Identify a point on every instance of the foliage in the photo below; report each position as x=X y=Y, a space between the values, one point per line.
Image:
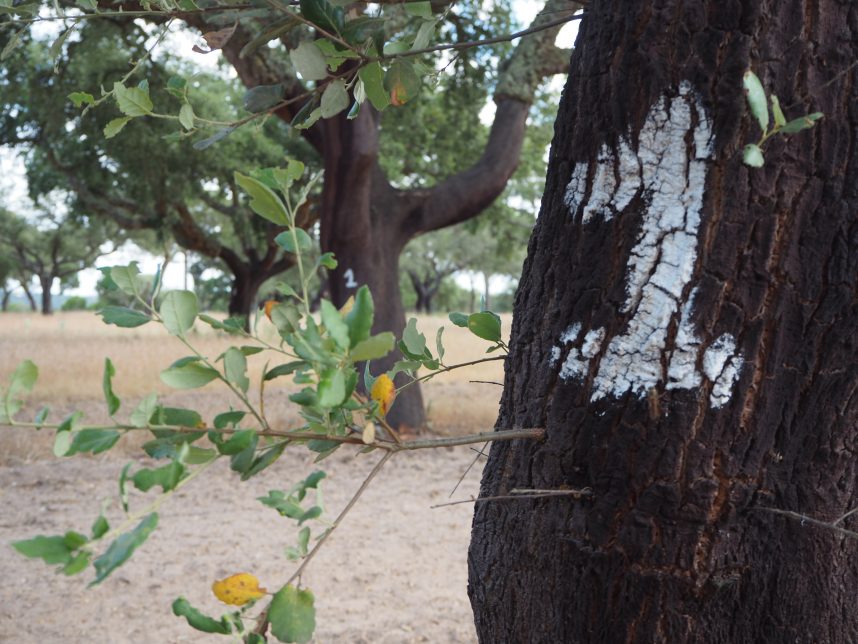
x=75 y=303
x=320 y=354
x=758 y=104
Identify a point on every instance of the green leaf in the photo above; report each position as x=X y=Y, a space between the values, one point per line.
x=81 y=98
x=220 y=135
x=127 y=278
x=332 y=388
x=100 y=527
x=335 y=98
x=286 y=241
x=199 y=621
x=199 y=455
x=21 y=382
x=263 y=201
x=261 y=462
x=66 y=433
x=41 y=417
x=284 y=369
x=780 y=119
x=401 y=82
x=414 y=341
x=233 y=326
x=263 y=97
x=111 y=398
x=439 y=345
x=328 y=261
x=78 y=564
x=189 y=376
x=801 y=123
x=123 y=490
x=756 y=96
x=422 y=9
x=53 y=550
x=373 y=347
x=333 y=321
x=323 y=14
x=358 y=30
x=273 y=31
x=178 y=311
x=132 y=101
x=56 y=48
x=177 y=417
x=236 y=444
x=292 y=615
x=424 y=35
x=752 y=155
x=485 y=325
x=372 y=76
x=359 y=319
x=235 y=368
x=309 y=61
x=459 y=319
x=93 y=441
x=144 y=410
x=242 y=461
x=123 y=317
x=123 y=547
x=167 y=477
x=229 y=418
x=13 y=42
x=186 y=116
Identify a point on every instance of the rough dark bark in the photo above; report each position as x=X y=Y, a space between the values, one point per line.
x=733 y=268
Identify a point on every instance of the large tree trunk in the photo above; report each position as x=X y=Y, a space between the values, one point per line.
x=358 y=216
x=46 y=282
x=686 y=331
x=242 y=297
x=32 y=300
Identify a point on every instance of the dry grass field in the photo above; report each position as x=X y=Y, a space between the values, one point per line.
x=70 y=348
x=395 y=571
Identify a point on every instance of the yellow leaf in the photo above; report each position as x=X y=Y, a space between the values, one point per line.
x=269 y=304
x=383 y=392
x=346 y=308
x=238 y=589
x=398 y=95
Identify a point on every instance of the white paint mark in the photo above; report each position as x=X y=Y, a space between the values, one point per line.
x=722 y=390
x=349 y=275
x=661 y=264
x=555 y=356
x=576 y=190
x=571 y=334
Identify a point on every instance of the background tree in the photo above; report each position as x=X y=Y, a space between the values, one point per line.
x=149 y=178
x=53 y=248
x=685 y=331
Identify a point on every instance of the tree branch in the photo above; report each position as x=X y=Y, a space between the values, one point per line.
x=467 y=193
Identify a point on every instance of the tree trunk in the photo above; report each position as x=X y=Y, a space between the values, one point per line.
x=4 y=305
x=242 y=298
x=357 y=213
x=685 y=330
x=32 y=300
x=46 y=282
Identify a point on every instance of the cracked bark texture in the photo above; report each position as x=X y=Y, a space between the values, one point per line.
x=672 y=546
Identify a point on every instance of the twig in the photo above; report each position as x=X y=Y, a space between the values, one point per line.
x=522 y=494
x=262 y=624
x=487 y=382
x=504 y=435
x=806 y=519
x=468 y=469
x=478 y=43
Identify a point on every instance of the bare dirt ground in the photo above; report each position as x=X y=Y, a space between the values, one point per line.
x=395 y=571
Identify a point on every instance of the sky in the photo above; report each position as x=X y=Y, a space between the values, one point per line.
x=13 y=186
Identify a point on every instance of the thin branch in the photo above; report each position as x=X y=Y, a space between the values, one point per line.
x=806 y=519
x=262 y=624
x=478 y=43
x=468 y=469
x=522 y=494
x=486 y=382
x=504 y=435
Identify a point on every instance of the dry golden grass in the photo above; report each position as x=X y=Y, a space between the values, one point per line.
x=70 y=348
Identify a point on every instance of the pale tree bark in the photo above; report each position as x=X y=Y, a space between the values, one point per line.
x=364 y=220
x=686 y=331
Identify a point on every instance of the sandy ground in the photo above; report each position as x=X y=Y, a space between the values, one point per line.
x=394 y=572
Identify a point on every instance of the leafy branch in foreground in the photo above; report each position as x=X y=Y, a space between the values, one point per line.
x=324 y=356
